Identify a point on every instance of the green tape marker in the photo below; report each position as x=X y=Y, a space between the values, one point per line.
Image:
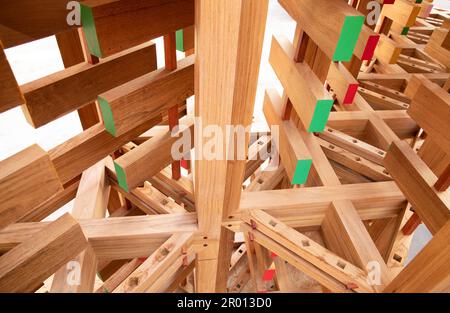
x=348 y=39
x=179 y=40
x=87 y=20
x=405 y=31
x=121 y=177
x=107 y=115
x=301 y=172
x=320 y=117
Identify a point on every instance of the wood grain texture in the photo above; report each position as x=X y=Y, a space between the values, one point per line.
x=10 y=95
x=26 y=179
x=33 y=261
x=55 y=95
x=112 y=26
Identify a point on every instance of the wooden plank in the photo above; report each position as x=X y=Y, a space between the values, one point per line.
x=147 y=273
x=152 y=156
x=147 y=96
x=322 y=277
x=84 y=150
x=112 y=26
x=33 y=261
x=47 y=19
x=90 y=202
x=314 y=201
x=432 y=118
x=346 y=235
x=232 y=32
x=113 y=238
x=435 y=49
x=333 y=25
x=310 y=99
x=342 y=83
x=416 y=181
x=10 y=95
x=293 y=151
x=27 y=179
x=429 y=270
x=402 y=12
x=57 y=94
x=309 y=250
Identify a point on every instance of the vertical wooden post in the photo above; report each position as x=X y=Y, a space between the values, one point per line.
x=170 y=56
x=228 y=49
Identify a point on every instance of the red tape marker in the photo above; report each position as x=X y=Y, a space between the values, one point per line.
x=371 y=44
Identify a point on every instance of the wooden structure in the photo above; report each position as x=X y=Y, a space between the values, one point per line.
x=363 y=135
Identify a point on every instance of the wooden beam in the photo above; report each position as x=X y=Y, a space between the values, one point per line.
x=429 y=270
x=112 y=26
x=309 y=98
x=33 y=261
x=57 y=94
x=294 y=153
x=113 y=238
x=37 y=22
x=10 y=95
x=232 y=32
x=147 y=273
x=90 y=203
x=416 y=181
x=146 y=97
x=333 y=25
x=342 y=83
x=27 y=179
x=432 y=118
x=152 y=156
x=308 y=250
x=84 y=150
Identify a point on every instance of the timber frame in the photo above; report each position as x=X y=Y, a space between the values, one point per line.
x=363 y=157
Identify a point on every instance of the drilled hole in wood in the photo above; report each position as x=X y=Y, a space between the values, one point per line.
x=238 y=286
x=358 y=159
x=331 y=147
x=381 y=152
x=386 y=172
x=383 y=97
x=397 y=258
x=330 y=130
x=205 y=245
x=260 y=181
x=240 y=251
x=229 y=225
x=164 y=202
x=341 y=264
x=405 y=105
x=305 y=243
x=231 y=216
x=273 y=223
x=205 y=237
x=260 y=143
x=397 y=93
x=355 y=141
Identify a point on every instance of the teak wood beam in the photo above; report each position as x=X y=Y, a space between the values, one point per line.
x=90 y=202
x=10 y=94
x=26 y=266
x=27 y=179
x=232 y=32
x=309 y=98
x=308 y=250
x=416 y=181
x=294 y=153
x=50 y=97
x=113 y=238
x=429 y=270
x=151 y=157
x=333 y=25
x=112 y=26
x=146 y=97
x=84 y=150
